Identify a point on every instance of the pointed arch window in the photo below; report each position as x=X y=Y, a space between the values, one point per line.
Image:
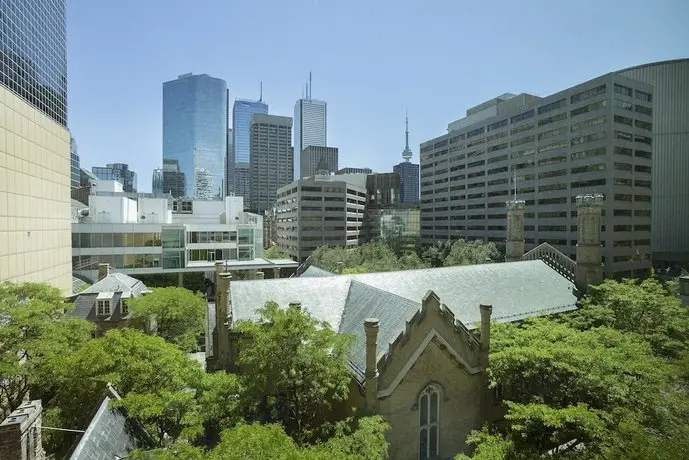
x=429 y=410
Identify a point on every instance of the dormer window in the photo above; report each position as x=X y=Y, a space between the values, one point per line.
x=103 y=307
x=125 y=307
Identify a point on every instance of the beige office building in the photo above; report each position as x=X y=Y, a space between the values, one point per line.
x=320 y=211
x=35 y=220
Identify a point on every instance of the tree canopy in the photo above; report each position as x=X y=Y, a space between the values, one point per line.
x=294 y=371
x=606 y=381
x=178 y=314
x=35 y=329
x=273 y=252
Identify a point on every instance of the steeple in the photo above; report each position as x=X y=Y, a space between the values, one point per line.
x=406 y=154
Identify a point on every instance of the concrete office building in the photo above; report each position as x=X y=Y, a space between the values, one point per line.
x=320 y=211
x=195 y=132
x=590 y=138
x=310 y=127
x=315 y=159
x=34 y=145
x=670 y=176
x=143 y=233
x=119 y=172
x=271 y=160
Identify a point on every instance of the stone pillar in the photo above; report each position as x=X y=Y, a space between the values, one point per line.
x=103 y=271
x=180 y=279
x=20 y=435
x=486 y=312
x=222 y=320
x=514 y=247
x=589 y=269
x=260 y=275
x=276 y=272
x=371 y=382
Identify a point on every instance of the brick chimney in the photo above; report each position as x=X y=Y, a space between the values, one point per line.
x=514 y=246
x=371 y=382
x=103 y=271
x=486 y=312
x=589 y=269
x=20 y=435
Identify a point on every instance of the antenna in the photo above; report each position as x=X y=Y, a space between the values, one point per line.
x=310 y=87
x=260 y=97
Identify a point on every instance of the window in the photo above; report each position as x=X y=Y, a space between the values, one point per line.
x=103 y=307
x=476 y=132
x=125 y=307
x=588 y=94
x=643 y=96
x=552 y=106
x=643 y=125
x=522 y=116
x=498 y=124
x=623 y=90
x=623 y=105
x=521 y=128
x=623 y=120
x=642 y=109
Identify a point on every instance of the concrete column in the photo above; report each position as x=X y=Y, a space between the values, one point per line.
x=514 y=247
x=276 y=272
x=180 y=279
x=371 y=382
x=589 y=269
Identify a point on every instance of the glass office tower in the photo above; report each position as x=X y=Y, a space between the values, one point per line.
x=75 y=175
x=195 y=132
x=33 y=60
x=310 y=128
x=119 y=172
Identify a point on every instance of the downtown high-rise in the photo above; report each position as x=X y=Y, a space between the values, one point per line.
x=310 y=127
x=409 y=173
x=242 y=111
x=195 y=132
x=35 y=214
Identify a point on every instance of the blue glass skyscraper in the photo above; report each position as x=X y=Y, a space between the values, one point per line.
x=33 y=57
x=195 y=132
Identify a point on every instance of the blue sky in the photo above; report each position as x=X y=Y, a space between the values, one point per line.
x=370 y=60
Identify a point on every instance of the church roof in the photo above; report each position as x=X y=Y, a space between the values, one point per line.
x=516 y=290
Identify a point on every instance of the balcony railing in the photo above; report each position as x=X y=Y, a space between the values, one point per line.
x=554 y=259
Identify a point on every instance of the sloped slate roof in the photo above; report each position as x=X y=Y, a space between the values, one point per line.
x=315 y=272
x=516 y=290
x=118 y=282
x=110 y=434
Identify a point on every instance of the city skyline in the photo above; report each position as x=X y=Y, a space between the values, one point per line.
x=358 y=75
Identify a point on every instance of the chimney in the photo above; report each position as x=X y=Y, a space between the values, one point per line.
x=371 y=382
x=296 y=305
x=103 y=271
x=486 y=312
x=684 y=285
x=260 y=275
x=340 y=267
x=222 y=320
x=514 y=245
x=20 y=436
x=589 y=270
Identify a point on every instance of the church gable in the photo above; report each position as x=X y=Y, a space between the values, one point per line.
x=433 y=324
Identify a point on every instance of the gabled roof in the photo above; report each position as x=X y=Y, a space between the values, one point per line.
x=111 y=433
x=516 y=290
x=118 y=282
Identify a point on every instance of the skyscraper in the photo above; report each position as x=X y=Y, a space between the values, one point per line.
x=35 y=219
x=195 y=132
x=74 y=163
x=310 y=126
x=119 y=172
x=315 y=158
x=408 y=172
x=271 y=159
x=242 y=111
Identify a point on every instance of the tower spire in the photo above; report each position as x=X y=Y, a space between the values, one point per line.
x=260 y=95
x=406 y=153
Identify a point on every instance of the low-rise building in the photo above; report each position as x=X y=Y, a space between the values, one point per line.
x=148 y=234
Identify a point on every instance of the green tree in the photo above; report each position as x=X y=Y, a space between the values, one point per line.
x=178 y=314
x=35 y=330
x=219 y=402
x=471 y=253
x=273 y=252
x=294 y=370
x=436 y=254
x=366 y=258
x=130 y=360
x=645 y=307
x=166 y=415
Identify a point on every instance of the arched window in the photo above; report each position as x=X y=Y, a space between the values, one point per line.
x=429 y=409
